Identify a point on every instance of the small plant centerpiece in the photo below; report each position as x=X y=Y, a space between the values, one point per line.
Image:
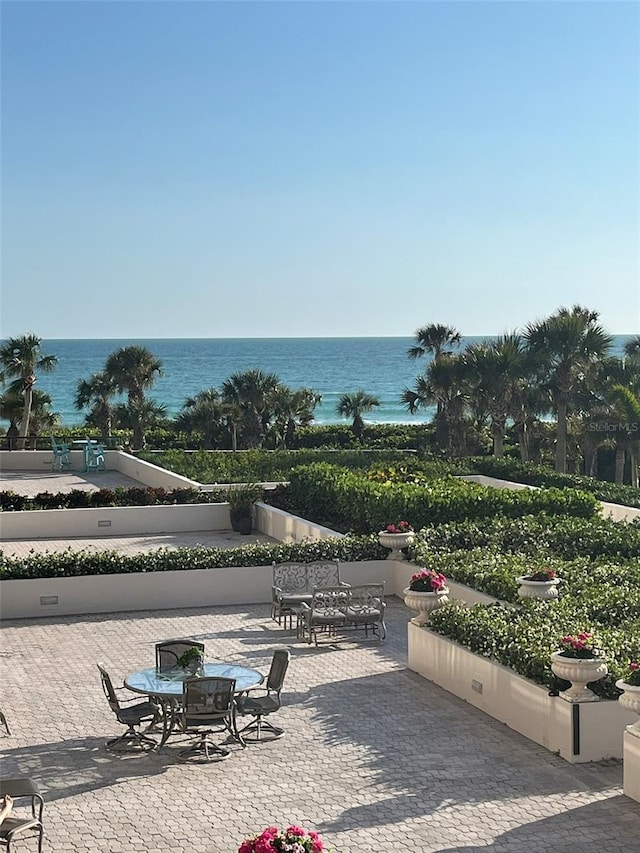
x=191 y=660
x=396 y=536
x=241 y=500
x=293 y=839
x=427 y=591
x=630 y=698
x=540 y=583
x=580 y=661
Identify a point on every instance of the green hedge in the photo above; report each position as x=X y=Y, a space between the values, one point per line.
x=537 y=475
x=565 y=537
x=135 y=496
x=336 y=496
x=523 y=638
x=79 y=563
x=259 y=466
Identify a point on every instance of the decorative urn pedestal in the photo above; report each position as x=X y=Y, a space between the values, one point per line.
x=580 y=672
x=545 y=590
x=630 y=700
x=424 y=603
x=396 y=542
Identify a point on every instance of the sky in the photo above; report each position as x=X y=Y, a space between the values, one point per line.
x=297 y=169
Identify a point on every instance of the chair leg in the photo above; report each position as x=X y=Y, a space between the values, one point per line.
x=256 y=726
x=4 y=722
x=131 y=741
x=210 y=750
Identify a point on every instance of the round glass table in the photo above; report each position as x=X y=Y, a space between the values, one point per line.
x=166 y=687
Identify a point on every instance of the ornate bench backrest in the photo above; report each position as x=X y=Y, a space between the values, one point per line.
x=366 y=598
x=301 y=578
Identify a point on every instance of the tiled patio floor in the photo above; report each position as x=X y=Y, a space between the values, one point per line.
x=374 y=757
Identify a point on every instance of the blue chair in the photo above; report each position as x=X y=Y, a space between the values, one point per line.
x=94 y=457
x=61 y=458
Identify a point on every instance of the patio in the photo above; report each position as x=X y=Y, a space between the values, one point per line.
x=374 y=757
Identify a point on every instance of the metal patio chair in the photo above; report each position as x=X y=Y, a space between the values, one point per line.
x=169 y=652
x=16 y=823
x=260 y=706
x=131 y=716
x=61 y=458
x=207 y=705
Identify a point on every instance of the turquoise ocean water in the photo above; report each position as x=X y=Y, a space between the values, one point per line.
x=331 y=366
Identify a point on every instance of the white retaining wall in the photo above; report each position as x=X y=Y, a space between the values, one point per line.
x=596 y=734
x=631 y=767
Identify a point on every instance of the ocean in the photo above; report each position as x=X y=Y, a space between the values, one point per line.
x=331 y=366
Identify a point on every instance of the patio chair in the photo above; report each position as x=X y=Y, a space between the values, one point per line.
x=130 y=716
x=170 y=651
x=15 y=824
x=260 y=707
x=327 y=612
x=94 y=457
x=207 y=703
x=366 y=607
x=61 y=458
x=3 y=721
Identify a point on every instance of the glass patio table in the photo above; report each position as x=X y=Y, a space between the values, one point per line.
x=166 y=687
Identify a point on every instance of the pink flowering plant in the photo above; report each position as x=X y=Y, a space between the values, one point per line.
x=399 y=527
x=544 y=575
x=293 y=839
x=428 y=580
x=582 y=646
x=633 y=674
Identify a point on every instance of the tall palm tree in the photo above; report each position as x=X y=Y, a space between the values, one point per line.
x=632 y=346
x=203 y=413
x=140 y=416
x=355 y=406
x=498 y=371
x=291 y=409
x=20 y=358
x=566 y=345
x=435 y=339
x=97 y=393
x=250 y=391
x=133 y=370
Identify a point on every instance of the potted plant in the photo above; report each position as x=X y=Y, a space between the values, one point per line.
x=630 y=698
x=580 y=661
x=241 y=500
x=396 y=537
x=427 y=591
x=292 y=838
x=541 y=583
x=191 y=660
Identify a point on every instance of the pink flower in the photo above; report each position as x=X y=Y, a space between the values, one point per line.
x=246 y=846
x=296 y=830
x=634 y=666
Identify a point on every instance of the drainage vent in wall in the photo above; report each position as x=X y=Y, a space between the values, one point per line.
x=105 y=523
x=48 y=599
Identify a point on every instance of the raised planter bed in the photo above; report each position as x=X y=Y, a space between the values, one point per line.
x=578 y=733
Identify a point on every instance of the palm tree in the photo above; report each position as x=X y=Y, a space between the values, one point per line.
x=434 y=339
x=566 y=345
x=498 y=377
x=97 y=393
x=203 y=413
x=140 y=416
x=133 y=370
x=355 y=406
x=632 y=347
x=291 y=409
x=20 y=358
x=250 y=392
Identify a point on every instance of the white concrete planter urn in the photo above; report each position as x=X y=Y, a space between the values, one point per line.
x=630 y=700
x=396 y=542
x=546 y=590
x=580 y=672
x=424 y=603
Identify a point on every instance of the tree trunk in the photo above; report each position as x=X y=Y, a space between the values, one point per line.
x=523 y=440
x=634 y=466
x=26 y=412
x=497 y=429
x=620 y=456
x=561 y=436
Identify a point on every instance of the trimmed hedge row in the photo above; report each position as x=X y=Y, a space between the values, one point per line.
x=563 y=537
x=135 y=496
x=337 y=496
x=79 y=563
x=523 y=638
x=537 y=475
x=261 y=466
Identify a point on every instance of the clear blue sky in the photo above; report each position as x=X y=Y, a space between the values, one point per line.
x=256 y=169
